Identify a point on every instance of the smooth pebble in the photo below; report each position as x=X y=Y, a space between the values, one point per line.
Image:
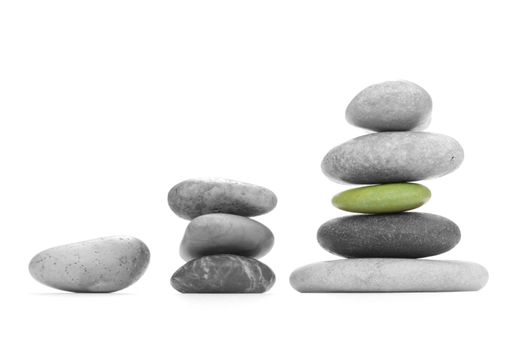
x=194 y=197
x=389 y=275
x=391 y=106
x=382 y=199
x=402 y=235
x=101 y=265
x=391 y=157
x=213 y=234
x=223 y=274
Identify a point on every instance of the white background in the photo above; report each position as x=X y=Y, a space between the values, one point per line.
x=105 y=105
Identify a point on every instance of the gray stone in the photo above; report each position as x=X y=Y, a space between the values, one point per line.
x=391 y=106
x=389 y=275
x=388 y=157
x=213 y=234
x=195 y=197
x=223 y=274
x=402 y=235
x=99 y=265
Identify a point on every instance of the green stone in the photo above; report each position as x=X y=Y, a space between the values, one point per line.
x=381 y=199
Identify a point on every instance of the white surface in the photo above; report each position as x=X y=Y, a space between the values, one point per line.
x=105 y=105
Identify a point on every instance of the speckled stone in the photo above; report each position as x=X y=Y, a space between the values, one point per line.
x=402 y=235
x=389 y=275
x=223 y=274
x=195 y=197
x=391 y=106
x=382 y=199
x=213 y=234
x=101 y=265
x=390 y=157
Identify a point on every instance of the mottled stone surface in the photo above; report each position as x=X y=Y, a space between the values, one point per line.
x=402 y=235
x=223 y=274
x=391 y=106
x=382 y=199
x=99 y=265
x=389 y=157
x=213 y=234
x=195 y=197
x=389 y=275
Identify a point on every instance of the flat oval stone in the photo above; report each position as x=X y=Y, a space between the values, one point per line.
x=389 y=275
x=99 y=265
x=223 y=274
x=390 y=157
x=213 y=234
x=382 y=199
x=391 y=106
x=402 y=235
x=195 y=197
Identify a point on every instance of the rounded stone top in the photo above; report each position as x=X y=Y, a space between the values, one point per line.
x=391 y=106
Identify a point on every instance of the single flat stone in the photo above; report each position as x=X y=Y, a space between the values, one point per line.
x=99 y=265
x=389 y=275
x=391 y=106
x=195 y=197
x=382 y=199
x=213 y=234
x=390 y=157
x=223 y=274
x=402 y=235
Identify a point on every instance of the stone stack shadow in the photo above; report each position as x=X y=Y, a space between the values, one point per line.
x=221 y=243
x=383 y=245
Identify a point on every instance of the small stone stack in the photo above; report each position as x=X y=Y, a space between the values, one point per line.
x=221 y=243
x=381 y=247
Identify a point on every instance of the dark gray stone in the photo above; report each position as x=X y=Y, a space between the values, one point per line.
x=213 y=234
x=223 y=274
x=403 y=235
x=101 y=265
x=388 y=157
x=195 y=197
x=391 y=106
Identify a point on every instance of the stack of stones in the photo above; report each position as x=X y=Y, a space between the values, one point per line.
x=221 y=243
x=381 y=246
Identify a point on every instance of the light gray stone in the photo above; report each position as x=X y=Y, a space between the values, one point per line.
x=101 y=265
x=195 y=197
x=213 y=234
x=388 y=157
x=401 y=235
x=389 y=275
x=391 y=106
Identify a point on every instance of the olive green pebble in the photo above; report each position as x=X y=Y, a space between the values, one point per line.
x=381 y=199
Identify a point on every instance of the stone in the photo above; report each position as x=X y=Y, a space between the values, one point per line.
x=223 y=273
x=101 y=265
x=389 y=275
x=391 y=106
x=391 y=157
x=195 y=197
x=213 y=234
x=382 y=199
x=402 y=235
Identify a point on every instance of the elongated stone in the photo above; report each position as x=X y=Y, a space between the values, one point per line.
x=389 y=275
x=391 y=157
x=194 y=197
x=402 y=235
x=101 y=265
x=382 y=199
x=391 y=106
x=223 y=274
x=213 y=234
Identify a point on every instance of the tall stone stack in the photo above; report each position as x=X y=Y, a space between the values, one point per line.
x=383 y=245
x=221 y=243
